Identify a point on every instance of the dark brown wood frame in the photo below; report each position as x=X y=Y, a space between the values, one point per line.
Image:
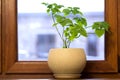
x=9 y=44
x=111 y=62
x=118 y=33
x=0 y=36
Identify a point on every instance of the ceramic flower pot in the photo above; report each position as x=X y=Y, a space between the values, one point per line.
x=67 y=62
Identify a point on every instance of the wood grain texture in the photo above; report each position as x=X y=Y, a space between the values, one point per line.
x=0 y=34
x=9 y=44
x=91 y=76
x=111 y=63
x=9 y=30
x=119 y=33
x=109 y=76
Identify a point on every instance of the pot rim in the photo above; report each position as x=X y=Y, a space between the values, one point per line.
x=66 y=48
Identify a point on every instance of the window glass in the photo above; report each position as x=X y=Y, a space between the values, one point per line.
x=36 y=35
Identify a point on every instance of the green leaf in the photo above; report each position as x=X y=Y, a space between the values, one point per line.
x=84 y=22
x=81 y=21
x=59 y=18
x=45 y=3
x=70 y=8
x=81 y=30
x=100 y=28
x=48 y=10
x=66 y=32
x=54 y=10
x=95 y=25
x=63 y=21
x=105 y=25
x=71 y=38
x=66 y=12
x=99 y=33
x=54 y=24
x=75 y=10
x=49 y=6
x=100 y=25
x=66 y=22
x=60 y=6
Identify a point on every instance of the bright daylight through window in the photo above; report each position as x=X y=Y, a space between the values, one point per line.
x=36 y=36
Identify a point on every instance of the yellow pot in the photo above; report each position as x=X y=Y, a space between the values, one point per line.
x=67 y=62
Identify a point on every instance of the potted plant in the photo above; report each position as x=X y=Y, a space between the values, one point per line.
x=68 y=62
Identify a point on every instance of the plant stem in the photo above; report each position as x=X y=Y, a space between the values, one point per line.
x=63 y=33
x=69 y=43
x=65 y=44
x=61 y=36
x=65 y=41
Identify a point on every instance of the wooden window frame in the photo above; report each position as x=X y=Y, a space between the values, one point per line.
x=0 y=37
x=9 y=44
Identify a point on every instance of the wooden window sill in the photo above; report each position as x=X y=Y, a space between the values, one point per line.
x=61 y=79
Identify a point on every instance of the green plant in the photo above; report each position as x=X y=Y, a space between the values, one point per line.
x=73 y=23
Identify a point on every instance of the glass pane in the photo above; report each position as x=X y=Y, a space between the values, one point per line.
x=36 y=35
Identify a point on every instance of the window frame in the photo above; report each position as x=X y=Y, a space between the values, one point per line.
x=9 y=44
x=0 y=37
